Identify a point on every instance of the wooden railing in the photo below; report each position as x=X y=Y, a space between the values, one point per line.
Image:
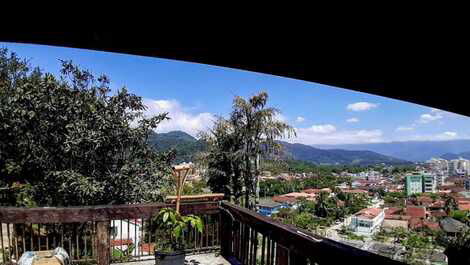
x=252 y=239
x=244 y=236
x=101 y=234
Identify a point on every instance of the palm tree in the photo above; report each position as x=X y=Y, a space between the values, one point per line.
x=321 y=207
x=450 y=204
x=257 y=128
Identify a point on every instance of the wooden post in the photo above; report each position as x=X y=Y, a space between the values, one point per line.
x=296 y=259
x=282 y=255
x=180 y=179
x=102 y=243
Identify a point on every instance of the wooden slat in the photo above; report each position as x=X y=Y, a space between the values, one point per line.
x=282 y=255
x=322 y=250
x=96 y=213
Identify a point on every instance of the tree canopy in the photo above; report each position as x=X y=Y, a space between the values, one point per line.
x=71 y=141
x=236 y=145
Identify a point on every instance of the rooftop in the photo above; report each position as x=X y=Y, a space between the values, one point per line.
x=451 y=225
x=369 y=213
x=416 y=211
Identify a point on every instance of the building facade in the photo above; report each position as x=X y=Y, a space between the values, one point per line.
x=420 y=182
x=367 y=221
x=414 y=184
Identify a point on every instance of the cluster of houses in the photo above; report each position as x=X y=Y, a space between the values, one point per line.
x=418 y=212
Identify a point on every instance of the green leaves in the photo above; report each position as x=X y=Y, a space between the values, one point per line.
x=169 y=221
x=73 y=141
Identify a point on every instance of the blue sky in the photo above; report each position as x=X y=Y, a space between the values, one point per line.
x=194 y=93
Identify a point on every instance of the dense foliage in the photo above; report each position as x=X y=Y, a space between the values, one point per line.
x=236 y=145
x=324 y=211
x=67 y=141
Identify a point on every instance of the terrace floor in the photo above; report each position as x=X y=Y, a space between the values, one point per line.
x=199 y=259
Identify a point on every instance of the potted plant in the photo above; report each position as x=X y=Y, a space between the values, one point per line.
x=171 y=226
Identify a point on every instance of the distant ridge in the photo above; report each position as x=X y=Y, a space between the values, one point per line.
x=409 y=150
x=337 y=156
x=450 y=156
x=187 y=146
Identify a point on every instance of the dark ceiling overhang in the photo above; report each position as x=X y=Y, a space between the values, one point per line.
x=361 y=63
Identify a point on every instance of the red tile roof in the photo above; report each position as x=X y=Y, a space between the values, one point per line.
x=147 y=247
x=369 y=213
x=122 y=242
x=354 y=191
x=464 y=205
x=282 y=199
x=425 y=199
x=393 y=211
x=416 y=212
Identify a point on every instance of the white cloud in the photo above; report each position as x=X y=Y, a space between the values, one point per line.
x=429 y=117
x=180 y=118
x=352 y=120
x=361 y=106
x=404 y=128
x=448 y=135
x=300 y=119
x=322 y=128
x=328 y=134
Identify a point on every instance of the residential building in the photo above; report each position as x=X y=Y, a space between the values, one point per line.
x=459 y=167
x=429 y=183
x=367 y=221
x=440 y=168
x=126 y=233
x=414 y=184
x=268 y=208
x=420 y=182
x=466 y=184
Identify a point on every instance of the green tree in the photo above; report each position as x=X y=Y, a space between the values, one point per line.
x=73 y=142
x=321 y=207
x=450 y=204
x=252 y=129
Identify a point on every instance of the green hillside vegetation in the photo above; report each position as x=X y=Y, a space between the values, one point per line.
x=337 y=156
x=184 y=145
x=186 y=148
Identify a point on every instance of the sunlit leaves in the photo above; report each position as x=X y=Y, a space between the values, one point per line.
x=73 y=141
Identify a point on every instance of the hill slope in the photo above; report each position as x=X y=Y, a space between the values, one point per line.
x=187 y=146
x=337 y=156
x=450 y=156
x=409 y=150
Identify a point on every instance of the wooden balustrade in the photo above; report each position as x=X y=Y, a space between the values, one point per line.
x=244 y=236
x=250 y=238
x=85 y=232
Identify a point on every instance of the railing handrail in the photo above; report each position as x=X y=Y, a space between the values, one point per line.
x=304 y=243
x=80 y=214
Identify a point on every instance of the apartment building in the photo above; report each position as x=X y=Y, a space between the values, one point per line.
x=367 y=221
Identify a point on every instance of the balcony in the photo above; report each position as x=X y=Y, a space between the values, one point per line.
x=105 y=234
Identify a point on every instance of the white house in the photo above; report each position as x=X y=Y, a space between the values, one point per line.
x=125 y=233
x=367 y=221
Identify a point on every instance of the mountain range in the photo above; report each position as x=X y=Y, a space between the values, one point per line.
x=409 y=150
x=450 y=156
x=187 y=146
x=337 y=156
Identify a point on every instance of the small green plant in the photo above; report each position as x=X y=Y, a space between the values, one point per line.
x=123 y=255
x=172 y=226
